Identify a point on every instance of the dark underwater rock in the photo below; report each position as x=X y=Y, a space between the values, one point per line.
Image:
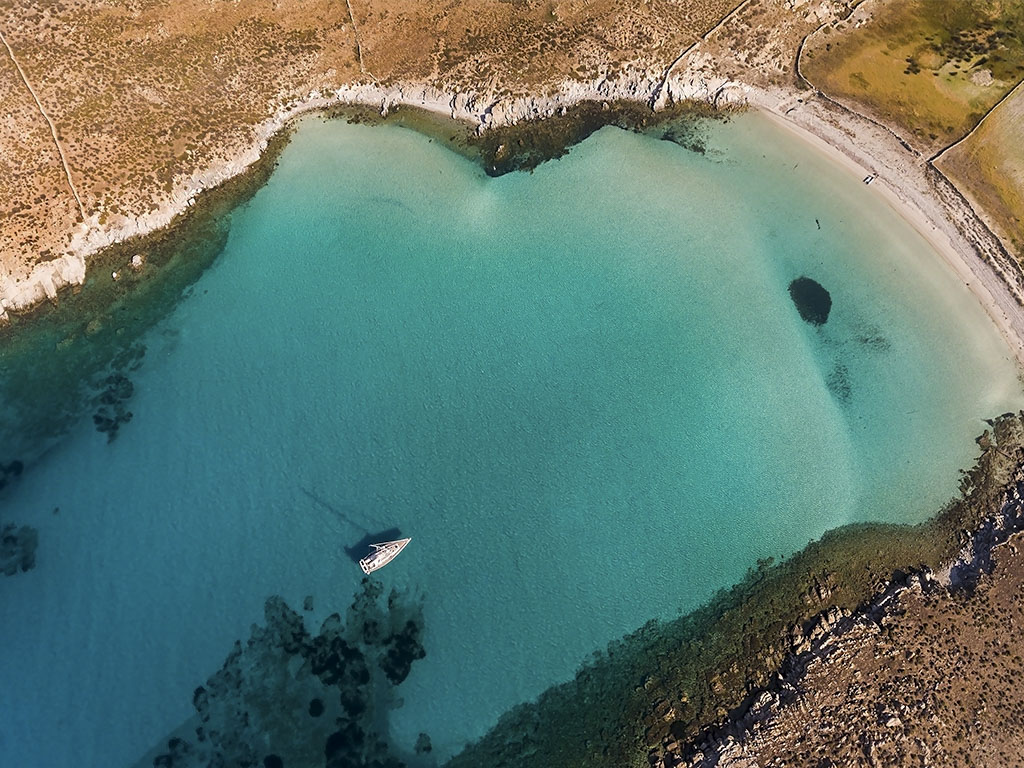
x=287 y=697
x=116 y=390
x=874 y=340
x=423 y=745
x=17 y=548
x=812 y=301
x=838 y=383
x=10 y=471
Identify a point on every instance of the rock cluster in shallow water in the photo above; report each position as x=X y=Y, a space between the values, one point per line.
x=10 y=471
x=112 y=411
x=17 y=548
x=288 y=698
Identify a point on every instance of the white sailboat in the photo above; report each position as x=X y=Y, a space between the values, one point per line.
x=382 y=554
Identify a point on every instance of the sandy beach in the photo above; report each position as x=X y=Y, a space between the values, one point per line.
x=899 y=177
x=710 y=59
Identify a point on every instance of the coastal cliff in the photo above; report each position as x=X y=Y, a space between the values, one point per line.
x=17 y=543
x=478 y=111
x=724 y=54
x=910 y=676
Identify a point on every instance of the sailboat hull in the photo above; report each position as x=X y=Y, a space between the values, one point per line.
x=382 y=554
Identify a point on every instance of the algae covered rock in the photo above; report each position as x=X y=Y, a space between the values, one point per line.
x=17 y=548
x=288 y=697
x=812 y=301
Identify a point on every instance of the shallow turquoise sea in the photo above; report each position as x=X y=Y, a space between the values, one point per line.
x=584 y=392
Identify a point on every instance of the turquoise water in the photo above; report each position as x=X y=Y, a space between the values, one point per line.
x=584 y=393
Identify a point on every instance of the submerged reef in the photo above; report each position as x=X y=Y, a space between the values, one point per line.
x=17 y=548
x=524 y=146
x=812 y=301
x=10 y=471
x=288 y=698
x=17 y=543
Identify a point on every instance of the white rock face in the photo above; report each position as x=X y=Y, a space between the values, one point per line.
x=982 y=77
x=483 y=110
x=41 y=283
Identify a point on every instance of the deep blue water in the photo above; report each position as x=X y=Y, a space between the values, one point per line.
x=584 y=392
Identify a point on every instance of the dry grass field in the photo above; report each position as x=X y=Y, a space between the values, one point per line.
x=35 y=202
x=989 y=168
x=929 y=68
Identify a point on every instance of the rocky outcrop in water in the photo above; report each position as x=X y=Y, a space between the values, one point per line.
x=113 y=411
x=17 y=548
x=812 y=301
x=9 y=472
x=289 y=698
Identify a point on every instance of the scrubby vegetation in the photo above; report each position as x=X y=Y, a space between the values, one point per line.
x=929 y=68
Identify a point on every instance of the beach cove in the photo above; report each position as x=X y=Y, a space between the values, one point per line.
x=584 y=392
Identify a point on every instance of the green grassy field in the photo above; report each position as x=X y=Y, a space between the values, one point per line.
x=929 y=68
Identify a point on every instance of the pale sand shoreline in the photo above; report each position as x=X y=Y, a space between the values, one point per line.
x=901 y=179
x=997 y=300
x=850 y=140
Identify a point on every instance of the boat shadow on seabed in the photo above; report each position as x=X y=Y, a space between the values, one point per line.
x=361 y=548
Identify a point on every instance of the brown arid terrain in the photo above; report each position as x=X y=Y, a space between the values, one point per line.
x=927 y=675
x=945 y=79
x=152 y=102
x=118 y=114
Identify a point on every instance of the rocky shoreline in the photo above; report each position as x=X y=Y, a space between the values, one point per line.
x=480 y=112
x=835 y=635
x=493 y=127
